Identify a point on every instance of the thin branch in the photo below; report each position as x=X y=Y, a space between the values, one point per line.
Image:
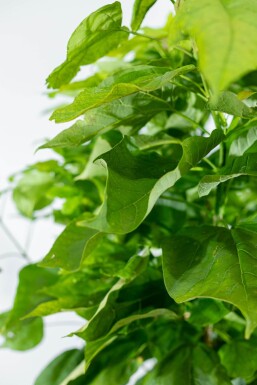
x=14 y=241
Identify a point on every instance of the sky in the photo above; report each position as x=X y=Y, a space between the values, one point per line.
x=33 y=38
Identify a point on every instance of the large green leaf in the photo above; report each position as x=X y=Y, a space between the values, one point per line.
x=58 y=370
x=140 y=8
x=225 y=32
x=98 y=34
x=124 y=83
x=243 y=165
x=188 y=366
x=135 y=181
x=240 y=359
x=214 y=262
x=134 y=110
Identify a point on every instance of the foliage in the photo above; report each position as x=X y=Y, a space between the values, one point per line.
x=158 y=186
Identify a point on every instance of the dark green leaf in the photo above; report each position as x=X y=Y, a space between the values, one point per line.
x=240 y=359
x=213 y=262
x=59 y=369
x=187 y=366
x=243 y=165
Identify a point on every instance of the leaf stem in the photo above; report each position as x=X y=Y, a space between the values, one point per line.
x=142 y=35
x=206 y=160
x=194 y=83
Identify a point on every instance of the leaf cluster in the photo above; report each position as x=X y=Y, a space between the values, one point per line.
x=157 y=182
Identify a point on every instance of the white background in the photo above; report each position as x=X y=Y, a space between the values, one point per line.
x=33 y=38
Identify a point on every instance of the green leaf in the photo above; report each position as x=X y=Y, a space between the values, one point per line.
x=206 y=311
x=60 y=368
x=244 y=142
x=117 y=362
x=229 y=103
x=22 y=335
x=32 y=279
x=239 y=358
x=67 y=251
x=140 y=8
x=135 y=181
x=213 y=262
x=97 y=35
x=25 y=334
x=95 y=328
x=124 y=83
x=226 y=55
x=133 y=110
x=243 y=165
x=188 y=366
x=30 y=192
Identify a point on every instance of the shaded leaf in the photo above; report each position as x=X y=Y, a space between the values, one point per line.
x=60 y=368
x=98 y=34
x=239 y=358
x=241 y=144
x=243 y=165
x=213 y=262
x=188 y=366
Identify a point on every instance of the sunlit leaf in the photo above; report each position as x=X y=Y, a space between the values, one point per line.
x=227 y=55
x=140 y=8
x=134 y=110
x=98 y=34
x=142 y=78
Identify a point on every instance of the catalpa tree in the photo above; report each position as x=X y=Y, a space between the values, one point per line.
x=157 y=175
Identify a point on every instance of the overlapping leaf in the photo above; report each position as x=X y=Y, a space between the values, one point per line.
x=143 y=78
x=68 y=249
x=243 y=165
x=188 y=366
x=214 y=262
x=134 y=111
x=135 y=181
